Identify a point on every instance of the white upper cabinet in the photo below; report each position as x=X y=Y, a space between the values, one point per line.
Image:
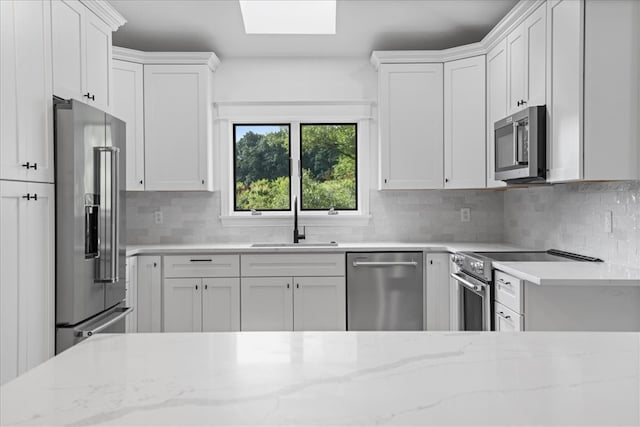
x=464 y=123
x=26 y=129
x=594 y=90
x=177 y=130
x=496 y=103
x=27 y=276
x=98 y=60
x=81 y=54
x=128 y=105
x=410 y=102
x=526 y=59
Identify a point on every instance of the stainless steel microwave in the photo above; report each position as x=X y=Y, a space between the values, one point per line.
x=520 y=146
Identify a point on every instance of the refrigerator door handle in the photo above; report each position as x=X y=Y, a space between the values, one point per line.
x=120 y=314
x=108 y=267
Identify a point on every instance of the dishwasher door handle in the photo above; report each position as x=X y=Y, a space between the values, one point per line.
x=384 y=263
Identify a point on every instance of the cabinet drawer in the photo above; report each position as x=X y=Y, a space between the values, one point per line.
x=285 y=265
x=507 y=320
x=508 y=291
x=202 y=266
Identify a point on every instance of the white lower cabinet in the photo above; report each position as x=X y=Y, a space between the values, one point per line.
x=182 y=305
x=507 y=320
x=293 y=304
x=267 y=304
x=149 y=307
x=201 y=304
x=132 y=294
x=319 y=304
x=27 y=275
x=437 y=293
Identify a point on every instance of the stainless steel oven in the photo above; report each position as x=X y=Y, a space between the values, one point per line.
x=520 y=146
x=474 y=303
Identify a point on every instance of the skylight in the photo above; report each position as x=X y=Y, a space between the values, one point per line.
x=289 y=16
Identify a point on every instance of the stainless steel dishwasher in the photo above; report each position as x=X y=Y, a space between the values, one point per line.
x=384 y=291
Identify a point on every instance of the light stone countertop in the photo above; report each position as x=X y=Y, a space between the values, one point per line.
x=540 y=273
x=339 y=378
x=572 y=273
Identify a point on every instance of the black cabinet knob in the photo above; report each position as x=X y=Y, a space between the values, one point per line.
x=140 y=181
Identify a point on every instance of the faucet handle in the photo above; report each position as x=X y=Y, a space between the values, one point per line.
x=302 y=235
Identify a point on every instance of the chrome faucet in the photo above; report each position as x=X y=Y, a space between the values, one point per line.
x=296 y=234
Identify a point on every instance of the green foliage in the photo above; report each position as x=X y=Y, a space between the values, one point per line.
x=329 y=169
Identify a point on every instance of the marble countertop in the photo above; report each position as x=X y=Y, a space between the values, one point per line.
x=339 y=378
x=342 y=247
x=572 y=273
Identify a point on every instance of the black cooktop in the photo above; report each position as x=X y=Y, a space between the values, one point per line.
x=552 y=255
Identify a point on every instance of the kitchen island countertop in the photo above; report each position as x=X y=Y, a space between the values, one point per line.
x=334 y=378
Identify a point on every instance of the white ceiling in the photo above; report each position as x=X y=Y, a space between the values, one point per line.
x=362 y=26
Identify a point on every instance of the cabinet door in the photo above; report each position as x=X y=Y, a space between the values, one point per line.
x=128 y=105
x=454 y=295
x=496 y=103
x=68 y=22
x=220 y=304
x=27 y=110
x=98 y=62
x=266 y=304
x=182 y=305
x=319 y=304
x=516 y=60
x=13 y=229
x=411 y=128
x=464 y=123
x=27 y=274
x=149 y=294
x=37 y=281
x=535 y=33
x=175 y=114
x=437 y=293
x=132 y=293
x=564 y=91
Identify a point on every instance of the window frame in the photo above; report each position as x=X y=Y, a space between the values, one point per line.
x=301 y=166
x=233 y=170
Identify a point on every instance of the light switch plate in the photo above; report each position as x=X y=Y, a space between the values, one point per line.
x=608 y=222
x=157 y=217
x=465 y=215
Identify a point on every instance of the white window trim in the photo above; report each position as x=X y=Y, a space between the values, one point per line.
x=295 y=113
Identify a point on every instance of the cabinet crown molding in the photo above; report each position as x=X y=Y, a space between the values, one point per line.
x=105 y=11
x=166 y=58
x=510 y=21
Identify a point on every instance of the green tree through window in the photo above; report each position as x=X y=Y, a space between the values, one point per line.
x=262 y=168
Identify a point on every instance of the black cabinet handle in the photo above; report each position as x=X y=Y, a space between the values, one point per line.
x=206 y=287
x=196 y=287
x=287 y=286
x=89 y=96
x=298 y=285
x=155 y=264
x=446 y=180
x=140 y=181
x=27 y=196
x=30 y=166
x=201 y=260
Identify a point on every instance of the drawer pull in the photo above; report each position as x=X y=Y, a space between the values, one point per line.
x=201 y=260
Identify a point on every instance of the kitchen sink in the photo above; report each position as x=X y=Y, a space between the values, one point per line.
x=294 y=245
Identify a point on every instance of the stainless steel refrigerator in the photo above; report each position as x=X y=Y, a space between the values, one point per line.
x=90 y=222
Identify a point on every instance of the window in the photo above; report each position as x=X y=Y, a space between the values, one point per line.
x=262 y=175
x=328 y=163
x=325 y=180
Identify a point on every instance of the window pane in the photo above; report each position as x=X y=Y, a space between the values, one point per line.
x=262 y=172
x=329 y=176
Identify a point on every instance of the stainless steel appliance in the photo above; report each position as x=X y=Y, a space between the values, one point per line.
x=90 y=222
x=474 y=282
x=520 y=146
x=384 y=291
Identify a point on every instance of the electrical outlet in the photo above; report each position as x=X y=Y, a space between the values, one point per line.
x=157 y=217
x=465 y=215
x=608 y=222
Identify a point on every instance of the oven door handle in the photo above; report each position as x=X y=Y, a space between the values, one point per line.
x=467 y=284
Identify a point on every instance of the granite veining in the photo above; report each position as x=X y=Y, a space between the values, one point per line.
x=324 y=378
